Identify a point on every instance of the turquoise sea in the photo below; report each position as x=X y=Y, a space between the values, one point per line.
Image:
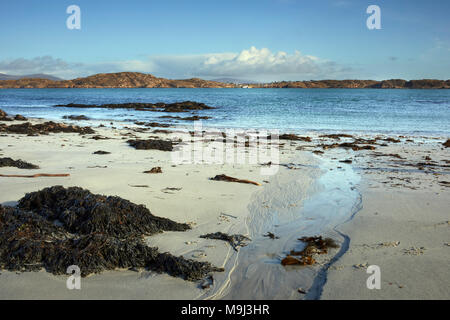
x=400 y=111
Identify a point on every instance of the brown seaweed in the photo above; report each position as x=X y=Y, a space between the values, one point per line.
x=271 y=236
x=93 y=232
x=314 y=245
x=35 y=175
x=235 y=240
x=154 y=170
x=222 y=177
x=82 y=212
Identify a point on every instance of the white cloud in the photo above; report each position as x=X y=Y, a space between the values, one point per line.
x=255 y=64
x=260 y=62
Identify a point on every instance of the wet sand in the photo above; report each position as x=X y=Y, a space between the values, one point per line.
x=312 y=194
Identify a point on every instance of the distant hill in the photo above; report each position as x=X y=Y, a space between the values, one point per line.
x=143 y=80
x=232 y=80
x=32 y=76
x=114 y=80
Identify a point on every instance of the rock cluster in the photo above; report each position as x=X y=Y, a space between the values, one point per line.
x=44 y=128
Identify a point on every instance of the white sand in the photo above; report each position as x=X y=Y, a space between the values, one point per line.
x=311 y=199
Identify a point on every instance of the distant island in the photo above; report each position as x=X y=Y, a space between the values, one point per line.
x=36 y=75
x=142 y=80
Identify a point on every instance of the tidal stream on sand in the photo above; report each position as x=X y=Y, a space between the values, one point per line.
x=308 y=200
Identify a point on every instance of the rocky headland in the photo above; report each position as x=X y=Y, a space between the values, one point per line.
x=142 y=80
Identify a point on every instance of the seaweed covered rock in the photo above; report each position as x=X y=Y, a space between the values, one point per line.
x=183 y=106
x=76 y=117
x=291 y=136
x=446 y=143
x=20 y=117
x=44 y=128
x=8 y=162
x=156 y=144
x=31 y=240
x=82 y=212
x=4 y=116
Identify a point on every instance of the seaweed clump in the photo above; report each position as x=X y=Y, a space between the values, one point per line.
x=223 y=177
x=314 y=245
x=82 y=212
x=154 y=170
x=235 y=240
x=8 y=162
x=57 y=227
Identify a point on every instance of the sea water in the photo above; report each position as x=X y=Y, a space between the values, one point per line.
x=398 y=111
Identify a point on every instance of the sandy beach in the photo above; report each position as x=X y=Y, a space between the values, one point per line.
x=386 y=207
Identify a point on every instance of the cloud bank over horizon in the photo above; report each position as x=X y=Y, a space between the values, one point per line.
x=252 y=64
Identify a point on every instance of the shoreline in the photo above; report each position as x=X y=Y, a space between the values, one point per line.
x=211 y=204
x=143 y=80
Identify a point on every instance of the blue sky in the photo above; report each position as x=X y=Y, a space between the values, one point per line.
x=261 y=40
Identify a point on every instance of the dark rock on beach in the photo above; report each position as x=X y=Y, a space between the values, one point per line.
x=101 y=152
x=8 y=162
x=193 y=118
x=291 y=136
x=4 y=116
x=44 y=128
x=156 y=125
x=19 y=117
x=75 y=117
x=156 y=144
x=446 y=143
